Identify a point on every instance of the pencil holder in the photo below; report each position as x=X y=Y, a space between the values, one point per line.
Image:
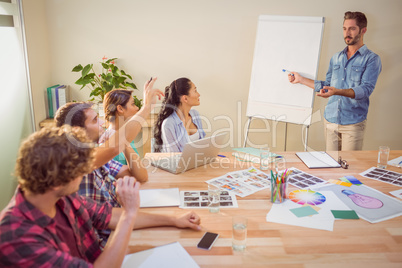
x=278 y=188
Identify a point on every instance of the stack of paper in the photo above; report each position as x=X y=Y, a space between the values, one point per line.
x=160 y=198
x=171 y=255
x=249 y=154
x=323 y=220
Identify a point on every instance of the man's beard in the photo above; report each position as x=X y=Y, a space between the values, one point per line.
x=353 y=41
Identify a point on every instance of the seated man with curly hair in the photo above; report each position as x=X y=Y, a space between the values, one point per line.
x=48 y=224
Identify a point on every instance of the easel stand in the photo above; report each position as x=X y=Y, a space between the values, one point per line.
x=286 y=133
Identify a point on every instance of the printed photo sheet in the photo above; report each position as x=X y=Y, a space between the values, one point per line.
x=383 y=175
x=199 y=199
x=244 y=182
x=304 y=180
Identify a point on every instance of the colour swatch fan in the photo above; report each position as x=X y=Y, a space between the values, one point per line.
x=306 y=197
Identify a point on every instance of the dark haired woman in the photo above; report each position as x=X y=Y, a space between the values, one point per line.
x=177 y=123
x=119 y=106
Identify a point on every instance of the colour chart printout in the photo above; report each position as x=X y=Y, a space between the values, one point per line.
x=304 y=180
x=383 y=175
x=244 y=182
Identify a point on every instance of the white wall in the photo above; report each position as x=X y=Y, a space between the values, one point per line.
x=212 y=43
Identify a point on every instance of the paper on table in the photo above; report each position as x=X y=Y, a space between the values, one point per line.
x=391 y=207
x=160 y=198
x=168 y=256
x=249 y=154
x=395 y=162
x=317 y=160
x=397 y=193
x=324 y=220
x=199 y=199
x=304 y=211
x=345 y=214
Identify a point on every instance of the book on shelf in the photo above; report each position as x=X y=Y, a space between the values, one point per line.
x=57 y=96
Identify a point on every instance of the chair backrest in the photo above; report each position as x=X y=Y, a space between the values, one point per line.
x=152 y=145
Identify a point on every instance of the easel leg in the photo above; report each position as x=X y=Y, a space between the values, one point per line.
x=286 y=135
x=246 y=135
x=305 y=141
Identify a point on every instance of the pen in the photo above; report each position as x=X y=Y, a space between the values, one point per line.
x=400 y=163
x=221 y=155
x=286 y=71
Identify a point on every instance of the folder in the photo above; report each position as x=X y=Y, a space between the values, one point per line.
x=318 y=160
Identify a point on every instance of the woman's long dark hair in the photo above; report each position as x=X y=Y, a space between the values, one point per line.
x=173 y=93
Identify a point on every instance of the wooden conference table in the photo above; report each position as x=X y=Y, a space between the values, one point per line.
x=354 y=243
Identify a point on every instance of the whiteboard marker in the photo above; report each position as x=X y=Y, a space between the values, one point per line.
x=286 y=71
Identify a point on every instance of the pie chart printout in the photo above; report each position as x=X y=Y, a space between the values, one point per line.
x=307 y=197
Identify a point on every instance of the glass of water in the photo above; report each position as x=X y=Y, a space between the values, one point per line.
x=239 y=229
x=383 y=154
x=264 y=158
x=214 y=196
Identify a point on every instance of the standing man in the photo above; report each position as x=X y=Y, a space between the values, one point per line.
x=350 y=80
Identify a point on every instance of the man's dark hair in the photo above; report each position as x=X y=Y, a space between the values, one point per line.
x=72 y=113
x=360 y=18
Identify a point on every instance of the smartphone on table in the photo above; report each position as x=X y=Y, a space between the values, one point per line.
x=207 y=240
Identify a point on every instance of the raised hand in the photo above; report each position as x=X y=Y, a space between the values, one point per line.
x=151 y=93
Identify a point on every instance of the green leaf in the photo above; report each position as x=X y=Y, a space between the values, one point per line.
x=80 y=81
x=107 y=87
x=115 y=70
x=77 y=68
x=124 y=73
x=108 y=77
x=86 y=69
x=137 y=102
x=105 y=66
x=129 y=84
x=121 y=79
x=109 y=60
x=96 y=92
x=87 y=79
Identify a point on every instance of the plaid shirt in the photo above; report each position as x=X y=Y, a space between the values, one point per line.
x=98 y=185
x=28 y=237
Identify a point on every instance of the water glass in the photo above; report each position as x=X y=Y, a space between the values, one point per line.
x=239 y=230
x=383 y=154
x=264 y=158
x=214 y=196
x=280 y=164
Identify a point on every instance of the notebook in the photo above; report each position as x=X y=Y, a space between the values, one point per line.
x=195 y=154
x=159 y=198
x=318 y=160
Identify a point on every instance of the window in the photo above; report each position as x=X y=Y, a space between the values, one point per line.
x=15 y=98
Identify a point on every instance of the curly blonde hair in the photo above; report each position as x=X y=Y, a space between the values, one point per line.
x=52 y=157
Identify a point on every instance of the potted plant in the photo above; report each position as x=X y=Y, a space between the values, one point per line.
x=110 y=77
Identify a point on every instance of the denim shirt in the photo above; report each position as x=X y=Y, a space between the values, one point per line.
x=174 y=134
x=359 y=73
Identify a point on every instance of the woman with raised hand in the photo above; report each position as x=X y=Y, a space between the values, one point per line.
x=177 y=123
x=119 y=107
